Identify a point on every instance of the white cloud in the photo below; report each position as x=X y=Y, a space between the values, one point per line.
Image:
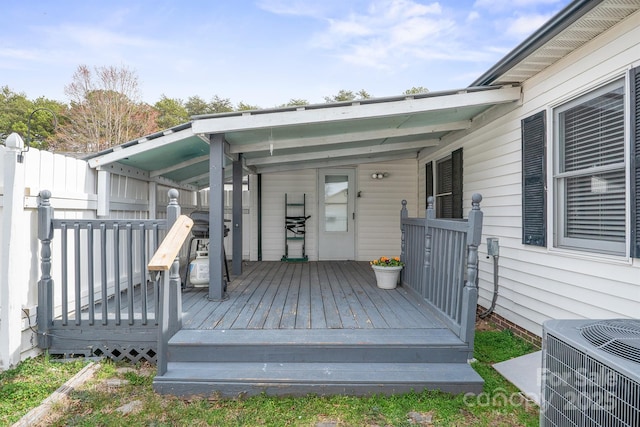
x=498 y=5
x=295 y=7
x=386 y=34
x=94 y=37
x=18 y=54
x=473 y=16
x=524 y=25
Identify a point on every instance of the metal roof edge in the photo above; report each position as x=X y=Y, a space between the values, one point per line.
x=366 y=101
x=145 y=138
x=552 y=28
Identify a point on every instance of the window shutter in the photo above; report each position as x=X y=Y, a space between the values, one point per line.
x=456 y=188
x=429 y=167
x=534 y=203
x=635 y=162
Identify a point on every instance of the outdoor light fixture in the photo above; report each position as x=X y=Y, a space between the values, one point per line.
x=379 y=175
x=28 y=142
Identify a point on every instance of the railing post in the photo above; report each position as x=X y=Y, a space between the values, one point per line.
x=45 y=285
x=426 y=269
x=470 y=292
x=170 y=310
x=403 y=238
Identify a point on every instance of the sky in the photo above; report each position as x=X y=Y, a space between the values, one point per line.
x=262 y=52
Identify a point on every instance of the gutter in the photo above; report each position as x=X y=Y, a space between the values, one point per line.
x=544 y=34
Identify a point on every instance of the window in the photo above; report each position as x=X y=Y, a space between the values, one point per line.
x=590 y=181
x=590 y=173
x=448 y=185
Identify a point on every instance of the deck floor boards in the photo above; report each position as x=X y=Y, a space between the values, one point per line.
x=312 y=295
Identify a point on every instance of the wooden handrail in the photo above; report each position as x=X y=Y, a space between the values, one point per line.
x=170 y=246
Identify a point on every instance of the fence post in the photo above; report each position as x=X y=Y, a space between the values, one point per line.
x=470 y=292
x=14 y=253
x=170 y=310
x=45 y=284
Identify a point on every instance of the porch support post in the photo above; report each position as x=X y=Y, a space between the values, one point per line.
x=14 y=254
x=217 y=283
x=404 y=213
x=237 y=216
x=104 y=192
x=470 y=291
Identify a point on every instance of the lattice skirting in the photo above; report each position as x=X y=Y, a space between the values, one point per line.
x=130 y=354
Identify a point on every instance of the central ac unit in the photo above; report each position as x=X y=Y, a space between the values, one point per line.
x=591 y=373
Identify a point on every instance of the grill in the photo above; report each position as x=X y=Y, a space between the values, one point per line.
x=200 y=233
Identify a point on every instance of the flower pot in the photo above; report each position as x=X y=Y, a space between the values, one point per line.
x=387 y=277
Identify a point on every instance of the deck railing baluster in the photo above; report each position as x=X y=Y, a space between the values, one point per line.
x=91 y=281
x=65 y=277
x=130 y=272
x=142 y=232
x=103 y=271
x=78 y=279
x=116 y=272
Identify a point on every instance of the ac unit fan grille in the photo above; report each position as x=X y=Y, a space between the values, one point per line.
x=619 y=337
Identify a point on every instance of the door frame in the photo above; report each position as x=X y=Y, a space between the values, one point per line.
x=351 y=207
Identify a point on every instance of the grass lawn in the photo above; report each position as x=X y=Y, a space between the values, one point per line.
x=122 y=395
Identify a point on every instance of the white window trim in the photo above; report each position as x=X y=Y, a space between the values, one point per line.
x=555 y=213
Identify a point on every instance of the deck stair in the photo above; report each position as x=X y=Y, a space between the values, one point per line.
x=231 y=362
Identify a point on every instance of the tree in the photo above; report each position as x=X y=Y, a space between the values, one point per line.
x=171 y=112
x=29 y=118
x=416 y=90
x=105 y=110
x=220 y=105
x=196 y=106
x=246 y=107
x=347 y=95
x=296 y=102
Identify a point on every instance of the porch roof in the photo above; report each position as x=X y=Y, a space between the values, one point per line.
x=321 y=135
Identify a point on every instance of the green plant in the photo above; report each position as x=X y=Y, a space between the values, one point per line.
x=98 y=403
x=25 y=386
x=384 y=261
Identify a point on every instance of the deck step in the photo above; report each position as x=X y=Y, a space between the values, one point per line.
x=321 y=346
x=232 y=379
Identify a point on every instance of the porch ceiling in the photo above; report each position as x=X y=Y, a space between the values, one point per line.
x=322 y=135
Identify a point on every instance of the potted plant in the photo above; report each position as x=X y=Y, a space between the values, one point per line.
x=387 y=271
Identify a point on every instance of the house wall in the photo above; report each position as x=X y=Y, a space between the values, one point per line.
x=536 y=283
x=377 y=208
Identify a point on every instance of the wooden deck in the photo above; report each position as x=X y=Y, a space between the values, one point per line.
x=313 y=327
x=311 y=295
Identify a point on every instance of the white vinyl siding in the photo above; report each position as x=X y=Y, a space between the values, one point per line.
x=377 y=208
x=295 y=185
x=540 y=283
x=590 y=171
